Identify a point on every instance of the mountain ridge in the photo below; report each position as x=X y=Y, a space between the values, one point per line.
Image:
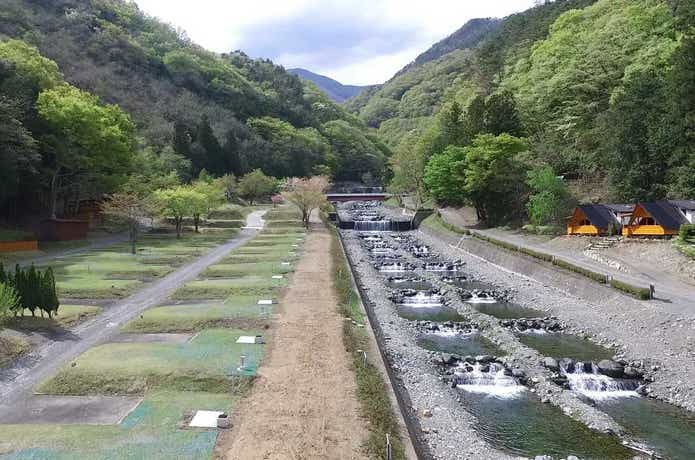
x=335 y=90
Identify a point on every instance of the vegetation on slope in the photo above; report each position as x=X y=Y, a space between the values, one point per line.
x=178 y=108
x=600 y=91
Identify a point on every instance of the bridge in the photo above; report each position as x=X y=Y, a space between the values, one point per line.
x=345 y=197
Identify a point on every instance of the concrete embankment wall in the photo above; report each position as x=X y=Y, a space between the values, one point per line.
x=543 y=272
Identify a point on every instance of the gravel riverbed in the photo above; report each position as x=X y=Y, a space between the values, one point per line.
x=447 y=428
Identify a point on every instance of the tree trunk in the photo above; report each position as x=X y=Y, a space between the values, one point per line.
x=54 y=193
x=133 y=238
x=196 y=221
x=178 y=226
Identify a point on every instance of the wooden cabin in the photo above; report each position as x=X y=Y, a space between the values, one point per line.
x=596 y=219
x=659 y=218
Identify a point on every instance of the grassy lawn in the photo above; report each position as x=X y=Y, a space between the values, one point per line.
x=234 y=312
x=207 y=363
x=223 y=288
x=267 y=269
x=149 y=432
x=113 y=272
x=67 y=317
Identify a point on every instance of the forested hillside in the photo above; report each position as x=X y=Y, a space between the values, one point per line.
x=600 y=92
x=179 y=108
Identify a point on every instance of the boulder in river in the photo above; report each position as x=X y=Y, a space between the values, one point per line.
x=551 y=363
x=611 y=368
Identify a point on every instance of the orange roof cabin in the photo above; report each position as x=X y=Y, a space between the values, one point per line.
x=598 y=219
x=660 y=218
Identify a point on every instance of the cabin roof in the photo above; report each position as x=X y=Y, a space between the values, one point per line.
x=684 y=204
x=665 y=214
x=620 y=207
x=599 y=215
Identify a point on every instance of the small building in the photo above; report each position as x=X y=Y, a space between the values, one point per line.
x=597 y=219
x=659 y=218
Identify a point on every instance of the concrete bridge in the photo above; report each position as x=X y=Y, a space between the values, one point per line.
x=345 y=197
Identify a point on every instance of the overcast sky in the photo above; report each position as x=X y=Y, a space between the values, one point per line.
x=355 y=42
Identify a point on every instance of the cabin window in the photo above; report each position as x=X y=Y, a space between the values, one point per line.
x=646 y=221
x=584 y=222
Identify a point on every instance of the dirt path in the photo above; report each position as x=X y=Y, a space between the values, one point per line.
x=18 y=381
x=303 y=404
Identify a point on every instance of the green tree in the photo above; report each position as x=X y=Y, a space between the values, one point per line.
x=18 y=150
x=501 y=115
x=9 y=300
x=28 y=61
x=495 y=177
x=445 y=176
x=90 y=141
x=212 y=196
x=256 y=185
x=408 y=165
x=550 y=200
x=642 y=140
x=178 y=203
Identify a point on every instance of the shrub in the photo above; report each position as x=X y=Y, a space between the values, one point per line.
x=639 y=292
x=686 y=232
x=598 y=277
x=9 y=301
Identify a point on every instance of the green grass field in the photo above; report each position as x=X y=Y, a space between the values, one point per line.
x=224 y=288
x=207 y=363
x=151 y=431
x=113 y=272
x=234 y=312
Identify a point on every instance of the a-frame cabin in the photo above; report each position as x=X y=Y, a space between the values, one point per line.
x=658 y=218
x=594 y=220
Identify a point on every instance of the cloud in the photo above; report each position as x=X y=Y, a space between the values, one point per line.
x=354 y=41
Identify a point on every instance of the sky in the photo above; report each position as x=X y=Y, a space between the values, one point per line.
x=355 y=42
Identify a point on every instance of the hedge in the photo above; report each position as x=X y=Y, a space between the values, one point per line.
x=598 y=277
x=536 y=254
x=640 y=293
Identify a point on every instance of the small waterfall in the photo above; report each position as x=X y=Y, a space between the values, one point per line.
x=373 y=225
x=396 y=267
x=482 y=298
x=422 y=300
x=585 y=378
x=492 y=381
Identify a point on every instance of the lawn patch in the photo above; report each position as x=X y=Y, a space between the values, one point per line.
x=223 y=288
x=266 y=269
x=236 y=312
x=150 y=431
x=207 y=363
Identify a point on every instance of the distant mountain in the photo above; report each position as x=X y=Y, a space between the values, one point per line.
x=468 y=36
x=333 y=89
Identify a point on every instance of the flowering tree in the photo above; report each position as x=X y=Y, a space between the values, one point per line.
x=307 y=194
x=276 y=199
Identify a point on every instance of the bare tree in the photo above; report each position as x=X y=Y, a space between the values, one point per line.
x=128 y=209
x=306 y=194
